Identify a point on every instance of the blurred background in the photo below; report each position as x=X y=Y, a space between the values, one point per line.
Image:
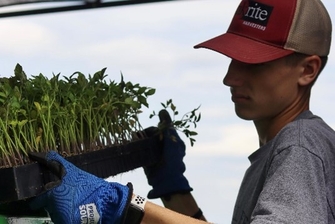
x=152 y=44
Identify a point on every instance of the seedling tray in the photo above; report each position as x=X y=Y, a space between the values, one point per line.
x=21 y=183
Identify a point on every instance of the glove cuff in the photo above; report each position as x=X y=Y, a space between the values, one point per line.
x=154 y=195
x=123 y=195
x=176 y=186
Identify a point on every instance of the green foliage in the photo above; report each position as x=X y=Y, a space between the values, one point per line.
x=183 y=125
x=70 y=115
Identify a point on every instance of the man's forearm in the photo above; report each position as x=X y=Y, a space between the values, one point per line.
x=184 y=204
x=155 y=214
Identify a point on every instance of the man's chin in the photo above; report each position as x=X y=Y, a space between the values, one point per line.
x=244 y=116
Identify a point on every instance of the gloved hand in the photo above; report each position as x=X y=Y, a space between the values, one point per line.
x=167 y=176
x=80 y=197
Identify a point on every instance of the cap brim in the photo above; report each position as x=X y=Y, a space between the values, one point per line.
x=244 y=49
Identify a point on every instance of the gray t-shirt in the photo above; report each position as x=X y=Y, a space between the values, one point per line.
x=291 y=179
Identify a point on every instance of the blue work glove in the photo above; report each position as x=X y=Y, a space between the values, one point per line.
x=80 y=197
x=167 y=176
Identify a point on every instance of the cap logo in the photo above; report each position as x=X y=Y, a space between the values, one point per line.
x=255 y=14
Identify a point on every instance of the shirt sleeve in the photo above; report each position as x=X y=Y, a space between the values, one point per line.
x=294 y=190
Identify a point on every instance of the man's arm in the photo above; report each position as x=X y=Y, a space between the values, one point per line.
x=184 y=204
x=167 y=178
x=160 y=215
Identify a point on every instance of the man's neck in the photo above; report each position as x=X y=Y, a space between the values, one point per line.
x=267 y=129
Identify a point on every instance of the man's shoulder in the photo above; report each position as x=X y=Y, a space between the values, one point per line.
x=307 y=131
x=307 y=125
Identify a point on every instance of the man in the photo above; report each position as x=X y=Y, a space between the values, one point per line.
x=278 y=49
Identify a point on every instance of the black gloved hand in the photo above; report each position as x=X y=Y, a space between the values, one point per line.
x=167 y=176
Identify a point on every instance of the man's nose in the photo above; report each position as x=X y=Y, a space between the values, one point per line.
x=233 y=77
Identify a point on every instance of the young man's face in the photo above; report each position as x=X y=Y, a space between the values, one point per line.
x=263 y=91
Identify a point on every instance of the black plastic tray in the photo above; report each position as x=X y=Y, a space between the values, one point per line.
x=23 y=182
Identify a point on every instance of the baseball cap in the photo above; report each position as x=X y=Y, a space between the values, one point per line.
x=265 y=30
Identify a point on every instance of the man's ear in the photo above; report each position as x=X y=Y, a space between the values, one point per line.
x=311 y=66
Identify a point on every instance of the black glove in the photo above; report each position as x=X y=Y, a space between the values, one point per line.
x=166 y=177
